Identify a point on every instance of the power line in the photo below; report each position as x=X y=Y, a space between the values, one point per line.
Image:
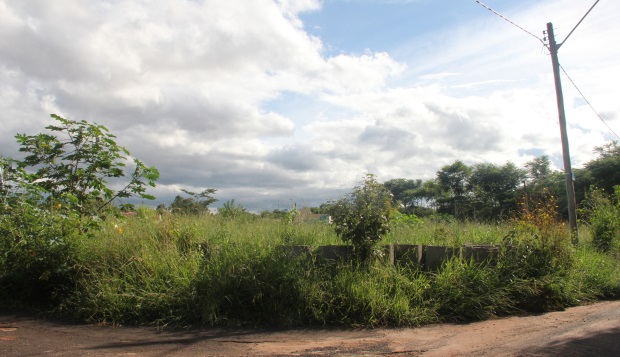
x=558 y=46
x=584 y=16
x=512 y=23
x=587 y=101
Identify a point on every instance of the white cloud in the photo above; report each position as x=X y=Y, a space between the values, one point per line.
x=187 y=86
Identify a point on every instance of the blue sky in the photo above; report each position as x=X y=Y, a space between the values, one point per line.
x=275 y=102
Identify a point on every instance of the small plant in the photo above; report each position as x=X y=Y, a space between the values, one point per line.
x=362 y=217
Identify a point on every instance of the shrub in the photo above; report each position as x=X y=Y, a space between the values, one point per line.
x=603 y=213
x=38 y=254
x=362 y=217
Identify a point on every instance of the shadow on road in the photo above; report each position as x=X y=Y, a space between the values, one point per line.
x=602 y=344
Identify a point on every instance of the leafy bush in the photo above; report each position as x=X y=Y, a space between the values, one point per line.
x=38 y=254
x=363 y=216
x=231 y=210
x=603 y=212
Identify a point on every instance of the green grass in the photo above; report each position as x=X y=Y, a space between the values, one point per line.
x=211 y=271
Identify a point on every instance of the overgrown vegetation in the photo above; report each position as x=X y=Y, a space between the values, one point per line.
x=190 y=266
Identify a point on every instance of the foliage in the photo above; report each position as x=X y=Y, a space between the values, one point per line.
x=405 y=192
x=363 y=216
x=231 y=210
x=398 y=218
x=38 y=253
x=198 y=203
x=495 y=189
x=603 y=213
x=540 y=238
x=275 y=214
x=73 y=168
x=604 y=171
x=453 y=181
x=210 y=270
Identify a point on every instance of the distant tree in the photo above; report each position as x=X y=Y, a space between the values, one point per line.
x=231 y=210
x=494 y=189
x=539 y=168
x=275 y=214
x=198 y=203
x=454 y=180
x=542 y=182
x=604 y=171
x=404 y=192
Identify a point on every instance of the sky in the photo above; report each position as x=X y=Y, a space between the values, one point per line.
x=277 y=103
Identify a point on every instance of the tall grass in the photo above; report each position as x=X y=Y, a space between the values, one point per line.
x=213 y=271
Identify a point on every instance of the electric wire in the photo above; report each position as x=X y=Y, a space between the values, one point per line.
x=571 y=32
x=512 y=23
x=587 y=101
x=558 y=46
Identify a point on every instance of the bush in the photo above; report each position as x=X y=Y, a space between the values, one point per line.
x=38 y=261
x=362 y=217
x=603 y=213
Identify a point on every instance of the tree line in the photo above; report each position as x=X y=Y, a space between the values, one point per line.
x=488 y=192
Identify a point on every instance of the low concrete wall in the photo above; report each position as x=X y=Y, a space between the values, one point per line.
x=481 y=253
x=334 y=253
x=407 y=254
x=435 y=256
x=428 y=257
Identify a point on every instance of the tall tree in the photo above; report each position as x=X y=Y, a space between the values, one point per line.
x=495 y=188
x=403 y=191
x=454 y=180
x=604 y=171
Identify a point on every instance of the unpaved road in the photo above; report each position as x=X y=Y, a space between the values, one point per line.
x=592 y=330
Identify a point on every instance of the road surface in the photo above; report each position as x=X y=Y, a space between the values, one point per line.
x=590 y=330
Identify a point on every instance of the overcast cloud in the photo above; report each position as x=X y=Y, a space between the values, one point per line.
x=251 y=99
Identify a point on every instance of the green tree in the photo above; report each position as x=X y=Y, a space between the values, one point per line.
x=454 y=180
x=542 y=182
x=403 y=192
x=539 y=168
x=604 y=171
x=495 y=189
x=73 y=165
x=362 y=217
x=198 y=203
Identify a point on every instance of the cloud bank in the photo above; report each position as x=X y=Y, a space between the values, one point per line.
x=239 y=96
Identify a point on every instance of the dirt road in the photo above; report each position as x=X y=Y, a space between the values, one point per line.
x=592 y=330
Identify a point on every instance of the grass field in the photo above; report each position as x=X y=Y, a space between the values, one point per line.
x=207 y=270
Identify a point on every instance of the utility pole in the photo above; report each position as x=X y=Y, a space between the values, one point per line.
x=570 y=188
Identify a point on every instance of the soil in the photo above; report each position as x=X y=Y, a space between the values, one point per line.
x=590 y=330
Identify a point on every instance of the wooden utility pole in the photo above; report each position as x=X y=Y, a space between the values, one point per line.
x=570 y=188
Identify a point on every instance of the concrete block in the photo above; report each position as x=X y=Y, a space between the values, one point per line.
x=334 y=253
x=435 y=256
